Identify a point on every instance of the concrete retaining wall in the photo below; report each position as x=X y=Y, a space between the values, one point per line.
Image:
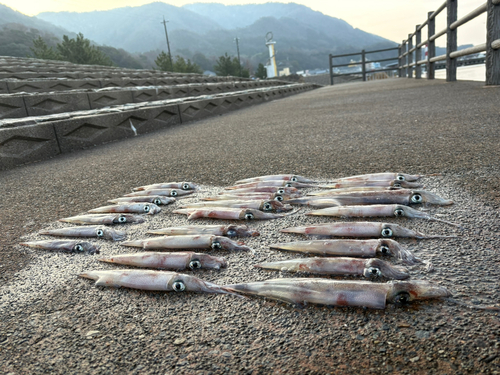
x=37 y=138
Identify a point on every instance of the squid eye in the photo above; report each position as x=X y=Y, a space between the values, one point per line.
x=216 y=245
x=294 y=179
x=231 y=233
x=396 y=185
x=384 y=250
x=178 y=286
x=249 y=216
x=401 y=298
x=78 y=248
x=157 y=201
x=399 y=212
x=416 y=198
x=122 y=219
x=147 y=208
x=267 y=206
x=400 y=177
x=375 y=272
x=174 y=193
x=280 y=191
x=288 y=184
x=386 y=232
x=195 y=264
x=185 y=186
x=279 y=198
x=99 y=233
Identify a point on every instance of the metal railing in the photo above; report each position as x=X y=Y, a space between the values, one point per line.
x=363 y=63
x=409 y=54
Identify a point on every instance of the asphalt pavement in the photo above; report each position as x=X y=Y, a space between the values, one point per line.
x=54 y=322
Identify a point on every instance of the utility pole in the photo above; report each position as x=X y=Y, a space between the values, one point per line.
x=168 y=44
x=238 y=49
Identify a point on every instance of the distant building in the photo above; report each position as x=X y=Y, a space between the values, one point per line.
x=284 y=72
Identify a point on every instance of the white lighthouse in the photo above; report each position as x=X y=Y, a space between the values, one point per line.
x=272 y=70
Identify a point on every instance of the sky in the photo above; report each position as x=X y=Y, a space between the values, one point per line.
x=391 y=19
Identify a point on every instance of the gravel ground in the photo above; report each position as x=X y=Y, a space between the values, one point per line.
x=54 y=322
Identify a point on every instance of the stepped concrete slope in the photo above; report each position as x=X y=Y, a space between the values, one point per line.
x=54 y=322
x=44 y=117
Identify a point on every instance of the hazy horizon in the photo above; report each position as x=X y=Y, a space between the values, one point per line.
x=390 y=19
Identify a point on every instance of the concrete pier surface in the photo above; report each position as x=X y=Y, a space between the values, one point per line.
x=54 y=322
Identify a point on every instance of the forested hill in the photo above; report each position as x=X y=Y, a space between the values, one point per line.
x=304 y=37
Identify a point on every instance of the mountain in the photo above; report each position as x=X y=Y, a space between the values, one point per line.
x=135 y=29
x=10 y=17
x=304 y=37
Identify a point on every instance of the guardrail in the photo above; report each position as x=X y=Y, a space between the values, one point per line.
x=409 y=54
x=363 y=63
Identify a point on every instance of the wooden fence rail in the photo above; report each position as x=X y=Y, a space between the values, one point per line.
x=409 y=53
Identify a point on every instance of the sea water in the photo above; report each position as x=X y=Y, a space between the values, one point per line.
x=466 y=73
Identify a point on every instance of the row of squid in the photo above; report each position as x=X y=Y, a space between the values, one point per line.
x=270 y=197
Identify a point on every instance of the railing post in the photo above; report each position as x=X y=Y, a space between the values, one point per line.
x=363 y=65
x=492 y=34
x=418 y=52
x=410 y=56
x=451 y=41
x=331 y=68
x=400 y=61
x=404 y=59
x=431 y=46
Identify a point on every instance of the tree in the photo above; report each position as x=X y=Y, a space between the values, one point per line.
x=163 y=62
x=180 y=65
x=225 y=66
x=261 y=72
x=79 y=51
x=41 y=50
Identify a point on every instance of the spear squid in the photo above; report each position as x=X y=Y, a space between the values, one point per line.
x=106 y=219
x=377 y=210
x=399 y=196
x=262 y=205
x=168 y=185
x=156 y=199
x=351 y=248
x=86 y=231
x=132 y=208
x=342 y=292
x=286 y=177
x=173 y=261
x=361 y=229
x=162 y=281
x=369 y=268
x=161 y=192
x=227 y=213
x=64 y=245
x=216 y=230
x=188 y=242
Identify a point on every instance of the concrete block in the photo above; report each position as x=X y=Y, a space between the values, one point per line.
x=107 y=98
x=144 y=95
x=179 y=91
x=4 y=89
x=202 y=89
x=27 y=86
x=46 y=104
x=164 y=92
x=198 y=109
x=25 y=144
x=127 y=82
x=12 y=106
x=87 y=131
